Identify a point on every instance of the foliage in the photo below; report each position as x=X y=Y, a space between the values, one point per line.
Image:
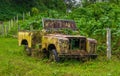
x=11 y=8
x=35 y=11
x=35 y=25
x=93 y=20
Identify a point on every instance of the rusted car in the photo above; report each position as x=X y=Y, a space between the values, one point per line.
x=53 y=44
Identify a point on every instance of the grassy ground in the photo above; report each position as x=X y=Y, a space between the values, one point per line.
x=13 y=62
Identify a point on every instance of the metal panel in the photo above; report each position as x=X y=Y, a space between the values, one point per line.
x=58 y=24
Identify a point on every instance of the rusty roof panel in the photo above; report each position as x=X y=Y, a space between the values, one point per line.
x=58 y=24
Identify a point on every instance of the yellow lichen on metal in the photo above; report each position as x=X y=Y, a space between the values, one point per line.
x=48 y=40
x=25 y=36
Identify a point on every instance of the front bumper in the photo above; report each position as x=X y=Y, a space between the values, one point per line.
x=92 y=56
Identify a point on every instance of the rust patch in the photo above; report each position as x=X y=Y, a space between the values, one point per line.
x=58 y=24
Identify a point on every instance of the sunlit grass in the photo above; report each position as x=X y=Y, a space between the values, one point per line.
x=13 y=62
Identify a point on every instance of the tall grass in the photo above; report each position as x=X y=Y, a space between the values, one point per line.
x=13 y=62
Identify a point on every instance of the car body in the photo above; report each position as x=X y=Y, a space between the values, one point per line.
x=58 y=44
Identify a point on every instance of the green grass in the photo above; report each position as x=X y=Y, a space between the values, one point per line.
x=13 y=62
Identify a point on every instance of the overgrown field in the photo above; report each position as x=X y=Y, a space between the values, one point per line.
x=13 y=62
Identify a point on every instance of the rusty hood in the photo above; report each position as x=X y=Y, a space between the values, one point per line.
x=65 y=36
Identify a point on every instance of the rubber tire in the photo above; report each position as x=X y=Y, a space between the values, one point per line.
x=45 y=53
x=54 y=56
x=27 y=50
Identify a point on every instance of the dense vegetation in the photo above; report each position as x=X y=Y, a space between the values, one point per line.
x=13 y=62
x=10 y=8
x=92 y=19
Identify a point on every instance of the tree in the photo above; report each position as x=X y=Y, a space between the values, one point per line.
x=115 y=1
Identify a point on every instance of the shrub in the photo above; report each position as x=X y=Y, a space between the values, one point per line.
x=35 y=11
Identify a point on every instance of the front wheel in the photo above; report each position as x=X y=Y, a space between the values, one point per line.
x=54 y=56
x=27 y=50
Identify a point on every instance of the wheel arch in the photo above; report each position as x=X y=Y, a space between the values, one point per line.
x=53 y=51
x=24 y=42
x=51 y=46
